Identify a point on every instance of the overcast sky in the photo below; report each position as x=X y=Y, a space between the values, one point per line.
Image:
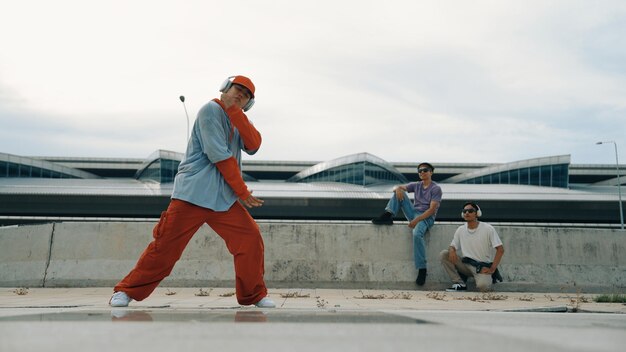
x=439 y=81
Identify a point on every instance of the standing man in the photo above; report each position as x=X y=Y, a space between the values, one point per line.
x=476 y=240
x=209 y=188
x=421 y=213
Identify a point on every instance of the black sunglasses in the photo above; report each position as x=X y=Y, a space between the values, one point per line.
x=424 y=169
x=471 y=210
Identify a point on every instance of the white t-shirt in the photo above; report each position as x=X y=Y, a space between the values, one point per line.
x=478 y=243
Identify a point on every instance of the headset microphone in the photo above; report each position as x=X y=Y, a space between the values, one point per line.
x=182 y=99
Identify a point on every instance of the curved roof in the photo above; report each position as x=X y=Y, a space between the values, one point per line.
x=364 y=158
x=495 y=169
x=156 y=156
x=168 y=162
x=37 y=164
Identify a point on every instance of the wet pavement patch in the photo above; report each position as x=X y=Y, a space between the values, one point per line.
x=219 y=316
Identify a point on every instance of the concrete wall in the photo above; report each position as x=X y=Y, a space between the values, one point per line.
x=315 y=254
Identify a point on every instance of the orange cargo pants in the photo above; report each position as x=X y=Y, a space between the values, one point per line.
x=176 y=228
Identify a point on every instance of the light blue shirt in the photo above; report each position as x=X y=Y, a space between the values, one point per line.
x=198 y=180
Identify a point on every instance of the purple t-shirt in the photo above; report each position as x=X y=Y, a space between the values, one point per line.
x=423 y=196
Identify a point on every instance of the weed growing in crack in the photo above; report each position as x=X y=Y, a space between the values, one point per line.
x=490 y=296
x=484 y=297
x=294 y=295
x=614 y=298
x=321 y=303
x=364 y=296
x=21 y=291
x=439 y=296
x=401 y=295
x=577 y=300
x=527 y=298
x=204 y=293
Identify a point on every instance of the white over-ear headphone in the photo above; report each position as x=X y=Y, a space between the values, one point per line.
x=226 y=86
x=479 y=213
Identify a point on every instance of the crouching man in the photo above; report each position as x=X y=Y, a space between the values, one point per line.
x=477 y=241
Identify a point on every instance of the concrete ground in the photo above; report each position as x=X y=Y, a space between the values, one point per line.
x=181 y=319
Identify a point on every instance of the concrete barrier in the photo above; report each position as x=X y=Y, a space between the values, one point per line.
x=311 y=254
x=24 y=255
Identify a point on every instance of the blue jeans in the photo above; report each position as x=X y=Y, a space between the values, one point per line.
x=419 y=245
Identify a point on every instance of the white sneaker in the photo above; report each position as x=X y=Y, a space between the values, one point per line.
x=456 y=288
x=120 y=299
x=265 y=302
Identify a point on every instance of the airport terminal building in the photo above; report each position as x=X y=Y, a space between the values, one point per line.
x=547 y=190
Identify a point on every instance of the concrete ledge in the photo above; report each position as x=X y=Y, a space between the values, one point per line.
x=311 y=254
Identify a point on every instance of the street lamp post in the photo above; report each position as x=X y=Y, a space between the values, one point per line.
x=182 y=100
x=619 y=188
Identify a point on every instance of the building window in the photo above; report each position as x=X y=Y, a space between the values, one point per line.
x=14 y=170
x=514 y=177
x=545 y=175
x=361 y=173
x=534 y=176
